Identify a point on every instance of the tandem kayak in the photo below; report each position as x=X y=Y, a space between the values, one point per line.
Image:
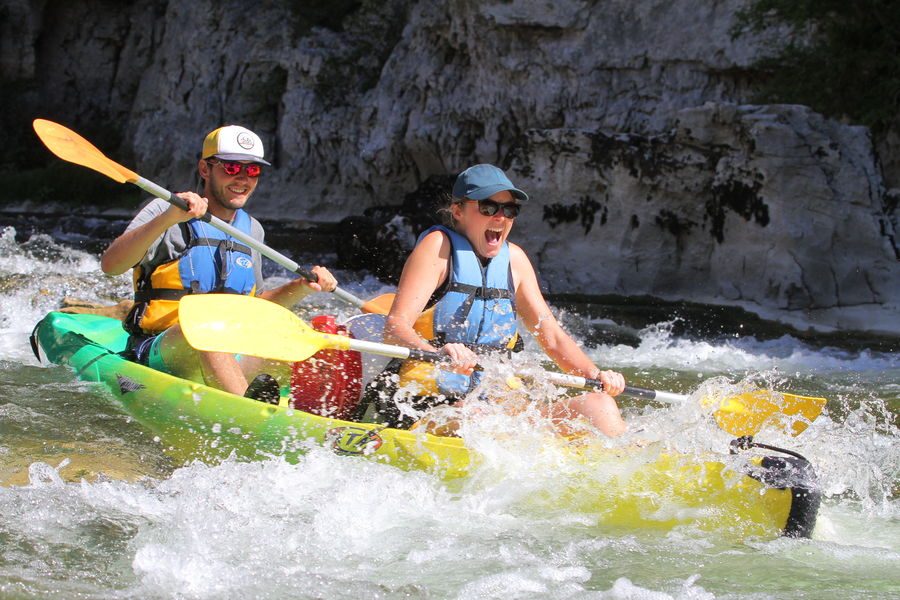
x=758 y=496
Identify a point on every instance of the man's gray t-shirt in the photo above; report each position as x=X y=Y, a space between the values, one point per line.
x=172 y=243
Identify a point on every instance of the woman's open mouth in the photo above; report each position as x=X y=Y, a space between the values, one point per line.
x=492 y=236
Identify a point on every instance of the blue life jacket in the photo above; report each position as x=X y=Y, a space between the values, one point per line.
x=476 y=307
x=227 y=268
x=212 y=261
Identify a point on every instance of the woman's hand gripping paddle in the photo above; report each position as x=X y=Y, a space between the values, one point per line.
x=71 y=147
x=246 y=325
x=741 y=415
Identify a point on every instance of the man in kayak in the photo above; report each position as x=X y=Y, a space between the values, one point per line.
x=478 y=285
x=174 y=253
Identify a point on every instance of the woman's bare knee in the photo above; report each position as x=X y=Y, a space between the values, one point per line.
x=601 y=410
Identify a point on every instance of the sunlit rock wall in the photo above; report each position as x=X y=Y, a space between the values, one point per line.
x=626 y=120
x=772 y=208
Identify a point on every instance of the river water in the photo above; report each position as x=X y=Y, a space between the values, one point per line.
x=92 y=507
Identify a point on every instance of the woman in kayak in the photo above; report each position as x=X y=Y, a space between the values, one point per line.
x=174 y=253
x=473 y=285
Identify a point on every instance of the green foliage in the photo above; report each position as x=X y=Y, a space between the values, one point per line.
x=842 y=58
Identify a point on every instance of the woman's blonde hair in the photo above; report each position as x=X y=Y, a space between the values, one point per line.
x=444 y=212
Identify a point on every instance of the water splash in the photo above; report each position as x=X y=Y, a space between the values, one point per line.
x=332 y=525
x=35 y=276
x=658 y=348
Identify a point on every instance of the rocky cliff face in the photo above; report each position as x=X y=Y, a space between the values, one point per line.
x=761 y=207
x=624 y=120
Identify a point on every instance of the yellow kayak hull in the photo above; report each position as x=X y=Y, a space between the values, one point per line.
x=621 y=489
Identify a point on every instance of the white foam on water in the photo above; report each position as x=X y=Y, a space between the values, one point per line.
x=857 y=458
x=660 y=349
x=41 y=255
x=333 y=525
x=42 y=273
x=327 y=526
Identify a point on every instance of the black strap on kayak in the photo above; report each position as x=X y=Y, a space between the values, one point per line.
x=793 y=472
x=35 y=346
x=176 y=295
x=746 y=442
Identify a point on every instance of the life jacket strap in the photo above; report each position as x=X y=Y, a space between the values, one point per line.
x=477 y=291
x=176 y=295
x=228 y=244
x=440 y=340
x=159 y=294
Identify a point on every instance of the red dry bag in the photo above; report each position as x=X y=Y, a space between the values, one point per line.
x=330 y=382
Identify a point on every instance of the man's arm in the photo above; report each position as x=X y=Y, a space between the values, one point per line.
x=128 y=249
x=292 y=292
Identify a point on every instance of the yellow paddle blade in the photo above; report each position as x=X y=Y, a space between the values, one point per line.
x=381 y=305
x=244 y=325
x=71 y=147
x=747 y=413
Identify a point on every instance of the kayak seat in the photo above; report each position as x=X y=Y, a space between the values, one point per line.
x=264 y=388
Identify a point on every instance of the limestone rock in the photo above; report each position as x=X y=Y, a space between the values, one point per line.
x=626 y=120
x=757 y=206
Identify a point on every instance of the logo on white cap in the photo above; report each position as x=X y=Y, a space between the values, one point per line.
x=245 y=140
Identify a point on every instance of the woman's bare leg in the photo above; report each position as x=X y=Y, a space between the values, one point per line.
x=599 y=408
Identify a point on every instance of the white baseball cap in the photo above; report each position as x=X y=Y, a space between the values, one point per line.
x=234 y=142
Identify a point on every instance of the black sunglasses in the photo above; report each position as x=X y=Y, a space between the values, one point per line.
x=489 y=208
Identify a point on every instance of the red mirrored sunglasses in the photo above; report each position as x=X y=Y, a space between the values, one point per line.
x=233 y=168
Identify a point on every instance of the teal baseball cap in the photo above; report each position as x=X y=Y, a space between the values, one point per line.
x=483 y=181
